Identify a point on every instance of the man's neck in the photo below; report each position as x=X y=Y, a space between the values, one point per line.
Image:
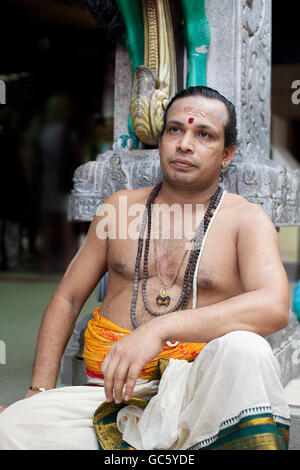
x=172 y=194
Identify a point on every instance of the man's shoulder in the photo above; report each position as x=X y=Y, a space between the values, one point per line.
x=132 y=196
x=135 y=193
x=246 y=212
x=122 y=199
x=240 y=203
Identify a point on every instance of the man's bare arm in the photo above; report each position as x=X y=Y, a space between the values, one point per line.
x=263 y=308
x=79 y=281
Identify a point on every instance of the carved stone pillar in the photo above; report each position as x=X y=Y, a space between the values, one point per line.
x=239 y=66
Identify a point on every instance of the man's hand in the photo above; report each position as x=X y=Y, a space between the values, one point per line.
x=127 y=358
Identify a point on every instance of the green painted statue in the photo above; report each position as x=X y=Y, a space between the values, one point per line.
x=150 y=42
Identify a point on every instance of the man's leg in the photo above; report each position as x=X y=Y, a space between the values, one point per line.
x=229 y=397
x=58 y=419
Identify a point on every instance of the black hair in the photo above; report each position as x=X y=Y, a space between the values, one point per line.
x=230 y=127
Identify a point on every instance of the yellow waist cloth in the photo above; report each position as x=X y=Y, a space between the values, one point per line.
x=101 y=334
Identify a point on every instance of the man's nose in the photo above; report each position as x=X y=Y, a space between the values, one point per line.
x=186 y=144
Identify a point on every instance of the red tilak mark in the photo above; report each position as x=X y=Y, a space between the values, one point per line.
x=191 y=120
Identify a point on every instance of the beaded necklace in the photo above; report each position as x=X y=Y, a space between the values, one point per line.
x=190 y=268
x=163 y=298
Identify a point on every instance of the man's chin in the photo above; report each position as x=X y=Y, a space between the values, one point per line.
x=181 y=179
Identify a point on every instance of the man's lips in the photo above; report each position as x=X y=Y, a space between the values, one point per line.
x=182 y=163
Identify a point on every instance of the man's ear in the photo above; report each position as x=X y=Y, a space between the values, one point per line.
x=228 y=155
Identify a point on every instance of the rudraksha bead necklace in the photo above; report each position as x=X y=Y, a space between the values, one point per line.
x=191 y=265
x=163 y=298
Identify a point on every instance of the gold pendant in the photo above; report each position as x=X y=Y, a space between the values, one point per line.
x=163 y=298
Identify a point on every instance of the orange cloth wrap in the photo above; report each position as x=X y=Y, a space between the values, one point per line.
x=101 y=334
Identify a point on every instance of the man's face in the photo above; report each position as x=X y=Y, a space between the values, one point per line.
x=192 y=149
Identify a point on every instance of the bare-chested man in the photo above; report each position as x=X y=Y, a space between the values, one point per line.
x=241 y=284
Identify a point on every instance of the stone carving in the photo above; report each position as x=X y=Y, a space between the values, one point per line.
x=155 y=82
x=260 y=181
x=255 y=79
x=149 y=27
x=95 y=181
x=148 y=102
x=285 y=344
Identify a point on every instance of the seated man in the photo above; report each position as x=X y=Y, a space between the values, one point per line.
x=202 y=302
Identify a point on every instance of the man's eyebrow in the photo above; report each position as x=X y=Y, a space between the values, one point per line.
x=198 y=126
x=173 y=121
x=208 y=128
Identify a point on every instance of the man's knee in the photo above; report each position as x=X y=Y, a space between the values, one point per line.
x=3 y=418
x=14 y=421
x=13 y=415
x=245 y=345
x=5 y=425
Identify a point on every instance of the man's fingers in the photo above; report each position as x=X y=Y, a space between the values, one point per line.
x=116 y=374
x=108 y=369
x=132 y=377
x=108 y=388
x=121 y=366
x=119 y=381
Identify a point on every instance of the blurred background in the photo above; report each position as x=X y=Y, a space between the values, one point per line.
x=58 y=67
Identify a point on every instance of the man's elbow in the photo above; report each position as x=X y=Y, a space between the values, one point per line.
x=280 y=314
x=283 y=318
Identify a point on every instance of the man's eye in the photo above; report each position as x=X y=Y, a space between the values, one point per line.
x=204 y=134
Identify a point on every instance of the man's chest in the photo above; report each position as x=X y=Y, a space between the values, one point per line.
x=168 y=260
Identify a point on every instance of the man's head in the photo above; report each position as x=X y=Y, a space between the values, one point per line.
x=210 y=93
x=199 y=137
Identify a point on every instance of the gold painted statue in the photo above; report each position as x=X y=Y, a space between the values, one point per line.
x=150 y=42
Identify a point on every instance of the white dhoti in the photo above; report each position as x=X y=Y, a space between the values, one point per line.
x=233 y=378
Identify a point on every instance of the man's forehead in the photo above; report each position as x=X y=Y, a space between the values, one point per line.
x=200 y=106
